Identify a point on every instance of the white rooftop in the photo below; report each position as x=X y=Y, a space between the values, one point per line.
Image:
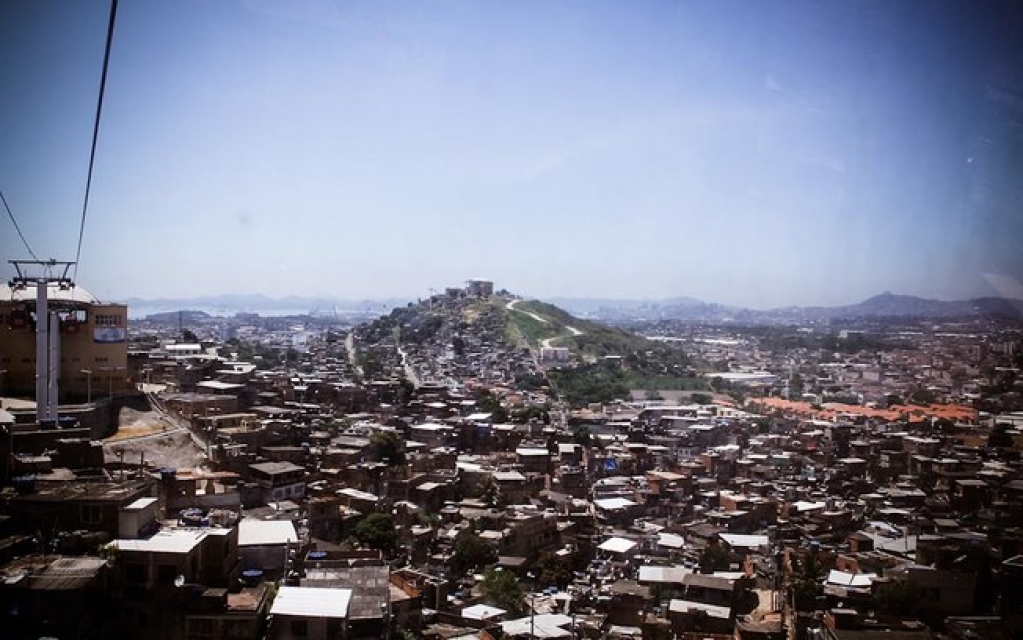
x=482 y=612
x=845 y=579
x=140 y=504
x=803 y=505
x=432 y=426
x=670 y=540
x=653 y=573
x=544 y=625
x=165 y=541
x=508 y=476
x=253 y=532
x=532 y=451
x=311 y=602
x=357 y=494
x=613 y=504
x=617 y=545
x=683 y=606
x=217 y=385
x=745 y=541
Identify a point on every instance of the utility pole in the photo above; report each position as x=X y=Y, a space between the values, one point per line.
x=47 y=327
x=88 y=385
x=532 y=607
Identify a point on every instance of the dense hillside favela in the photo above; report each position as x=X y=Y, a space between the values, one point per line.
x=480 y=465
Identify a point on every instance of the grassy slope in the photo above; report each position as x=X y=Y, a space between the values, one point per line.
x=647 y=363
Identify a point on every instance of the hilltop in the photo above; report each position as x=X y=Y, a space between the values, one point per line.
x=527 y=344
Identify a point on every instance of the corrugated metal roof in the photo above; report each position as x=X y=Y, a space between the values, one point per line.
x=66 y=574
x=369 y=585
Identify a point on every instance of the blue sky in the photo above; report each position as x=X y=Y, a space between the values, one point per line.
x=753 y=153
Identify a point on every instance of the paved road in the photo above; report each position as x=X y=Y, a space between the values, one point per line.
x=511 y=306
x=557 y=411
x=572 y=332
x=350 y=349
x=410 y=373
x=546 y=342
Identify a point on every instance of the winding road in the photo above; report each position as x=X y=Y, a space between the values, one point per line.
x=511 y=307
x=572 y=332
x=546 y=342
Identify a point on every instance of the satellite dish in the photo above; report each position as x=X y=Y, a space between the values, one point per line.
x=179 y=581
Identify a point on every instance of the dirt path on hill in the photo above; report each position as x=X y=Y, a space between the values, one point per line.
x=159 y=439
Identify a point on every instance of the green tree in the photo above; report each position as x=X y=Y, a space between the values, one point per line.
x=701 y=398
x=581 y=435
x=897 y=596
x=458 y=345
x=525 y=414
x=805 y=594
x=471 y=552
x=599 y=382
x=715 y=557
x=377 y=531
x=502 y=589
x=922 y=396
x=491 y=492
x=796 y=386
x=555 y=570
x=487 y=402
x=406 y=390
x=807 y=587
x=386 y=446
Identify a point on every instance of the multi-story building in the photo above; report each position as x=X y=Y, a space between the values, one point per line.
x=278 y=480
x=92 y=343
x=479 y=288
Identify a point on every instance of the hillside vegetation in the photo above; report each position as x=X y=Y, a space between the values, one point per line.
x=608 y=362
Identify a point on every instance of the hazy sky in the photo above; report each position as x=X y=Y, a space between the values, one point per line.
x=756 y=153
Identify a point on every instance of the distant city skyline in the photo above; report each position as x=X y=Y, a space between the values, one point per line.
x=755 y=154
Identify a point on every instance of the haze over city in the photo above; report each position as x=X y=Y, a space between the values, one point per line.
x=758 y=154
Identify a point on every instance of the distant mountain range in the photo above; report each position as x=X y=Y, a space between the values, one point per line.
x=230 y=304
x=886 y=305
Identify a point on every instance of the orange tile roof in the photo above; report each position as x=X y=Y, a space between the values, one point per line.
x=832 y=410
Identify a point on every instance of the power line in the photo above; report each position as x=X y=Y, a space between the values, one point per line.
x=95 y=133
x=17 y=228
